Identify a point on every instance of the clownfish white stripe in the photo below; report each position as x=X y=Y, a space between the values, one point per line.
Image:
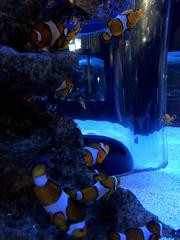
x=76 y=226
x=61 y=203
x=122 y=236
x=103 y=147
x=116 y=183
x=79 y=196
x=146 y=232
x=39 y=37
x=101 y=190
x=94 y=153
x=54 y=32
x=123 y=19
x=40 y=181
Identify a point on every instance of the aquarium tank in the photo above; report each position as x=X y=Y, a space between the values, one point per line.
x=89 y=120
x=123 y=87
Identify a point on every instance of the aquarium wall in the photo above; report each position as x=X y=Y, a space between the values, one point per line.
x=173 y=86
x=125 y=86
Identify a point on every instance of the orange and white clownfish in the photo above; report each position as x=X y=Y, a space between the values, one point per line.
x=95 y=153
x=122 y=22
x=167 y=119
x=99 y=191
x=51 y=34
x=65 y=88
x=151 y=231
x=58 y=204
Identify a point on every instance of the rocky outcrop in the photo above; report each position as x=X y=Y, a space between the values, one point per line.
x=35 y=73
x=16 y=19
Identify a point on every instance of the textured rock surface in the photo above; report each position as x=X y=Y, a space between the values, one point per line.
x=35 y=73
x=94 y=7
x=16 y=18
x=28 y=135
x=59 y=141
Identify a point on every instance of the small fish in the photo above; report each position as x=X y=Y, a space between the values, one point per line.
x=168 y=119
x=82 y=102
x=122 y=22
x=95 y=153
x=65 y=88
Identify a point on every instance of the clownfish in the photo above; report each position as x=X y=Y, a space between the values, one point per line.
x=151 y=231
x=62 y=209
x=65 y=88
x=167 y=119
x=95 y=153
x=122 y=22
x=51 y=34
x=99 y=191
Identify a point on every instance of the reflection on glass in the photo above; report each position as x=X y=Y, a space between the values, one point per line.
x=93 y=79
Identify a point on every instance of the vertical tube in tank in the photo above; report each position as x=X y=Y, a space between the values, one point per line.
x=141 y=99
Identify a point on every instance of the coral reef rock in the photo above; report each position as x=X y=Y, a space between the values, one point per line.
x=34 y=72
x=16 y=19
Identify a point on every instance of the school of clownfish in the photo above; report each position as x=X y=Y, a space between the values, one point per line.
x=57 y=33
x=64 y=206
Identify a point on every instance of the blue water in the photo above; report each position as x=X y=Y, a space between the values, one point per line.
x=174 y=57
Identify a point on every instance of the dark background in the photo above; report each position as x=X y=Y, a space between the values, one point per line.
x=175 y=27
x=173 y=71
